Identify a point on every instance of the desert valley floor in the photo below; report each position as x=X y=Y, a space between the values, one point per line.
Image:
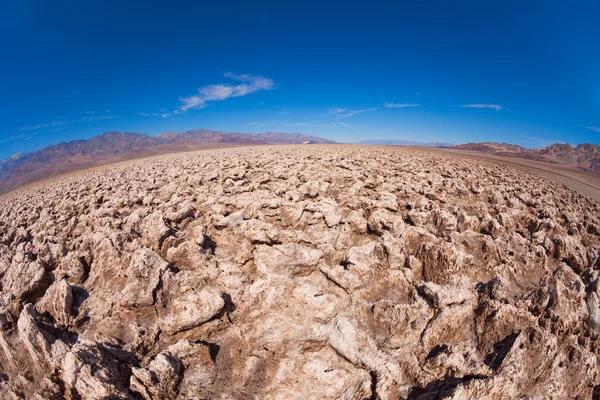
x=300 y=272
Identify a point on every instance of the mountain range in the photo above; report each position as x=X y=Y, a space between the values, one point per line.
x=24 y=168
x=585 y=156
x=395 y=142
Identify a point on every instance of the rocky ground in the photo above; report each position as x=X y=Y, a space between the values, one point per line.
x=300 y=272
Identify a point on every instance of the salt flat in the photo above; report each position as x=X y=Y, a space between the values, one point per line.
x=313 y=272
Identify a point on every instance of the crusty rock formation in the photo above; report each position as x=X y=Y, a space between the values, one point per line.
x=294 y=272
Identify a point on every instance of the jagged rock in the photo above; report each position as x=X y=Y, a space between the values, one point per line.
x=36 y=342
x=457 y=291
x=90 y=372
x=190 y=308
x=154 y=229
x=74 y=267
x=25 y=281
x=441 y=260
x=142 y=278
x=382 y=220
x=57 y=302
x=571 y=251
x=160 y=379
x=445 y=222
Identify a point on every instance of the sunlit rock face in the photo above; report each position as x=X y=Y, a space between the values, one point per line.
x=300 y=272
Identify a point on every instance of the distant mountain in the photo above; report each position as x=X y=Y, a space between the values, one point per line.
x=393 y=142
x=25 y=168
x=585 y=156
x=198 y=136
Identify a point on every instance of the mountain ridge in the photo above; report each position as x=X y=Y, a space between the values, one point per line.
x=396 y=142
x=585 y=156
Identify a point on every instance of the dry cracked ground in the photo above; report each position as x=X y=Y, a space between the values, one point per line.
x=300 y=272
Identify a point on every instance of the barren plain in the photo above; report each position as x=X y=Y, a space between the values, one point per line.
x=300 y=272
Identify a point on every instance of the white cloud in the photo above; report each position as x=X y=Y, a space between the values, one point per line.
x=282 y=112
x=158 y=114
x=496 y=107
x=191 y=102
x=222 y=91
x=400 y=105
x=591 y=128
x=346 y=125
x=344 y=113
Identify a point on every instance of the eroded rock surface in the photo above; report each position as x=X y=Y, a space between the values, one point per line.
x=300 y=272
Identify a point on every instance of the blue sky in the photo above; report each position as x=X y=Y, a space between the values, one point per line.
x=510 y=71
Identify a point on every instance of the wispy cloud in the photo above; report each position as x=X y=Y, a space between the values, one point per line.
x=591 y=128
x=247 y=84
x=43 y=126
x=87 y=118
x=496 y=107
x=310 y=123
x=283 y=112
x=99 y=118
x=162 y=114
x=342 y=124
x=260 y=124
x=400 y=105
x=344 y=113
x=29 y=135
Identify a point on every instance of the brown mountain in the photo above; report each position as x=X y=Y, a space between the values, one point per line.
x=24 y=168
x=585 y=156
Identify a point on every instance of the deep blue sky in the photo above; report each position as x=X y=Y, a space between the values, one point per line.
x=529 y=70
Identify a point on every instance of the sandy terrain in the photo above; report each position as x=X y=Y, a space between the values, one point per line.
x=300 y=272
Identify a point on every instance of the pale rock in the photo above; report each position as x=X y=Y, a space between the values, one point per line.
x=191 y=309
x=287 y=259
x=154 y=229
x=58 y=302
x=142 y=277
x=160 y=379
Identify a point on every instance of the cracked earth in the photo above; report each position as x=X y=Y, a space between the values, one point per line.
x=300 y=272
